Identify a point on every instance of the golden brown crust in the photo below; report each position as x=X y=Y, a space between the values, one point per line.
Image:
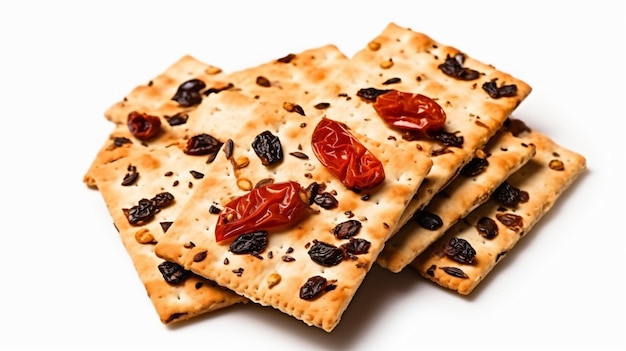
x=152 y=160
x=505 y=154
x=543 y=179
x=249 y=275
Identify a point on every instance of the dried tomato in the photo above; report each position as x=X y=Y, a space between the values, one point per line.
x=345 y=156
x=269 y=206
x=142 y=125
x=408 y=111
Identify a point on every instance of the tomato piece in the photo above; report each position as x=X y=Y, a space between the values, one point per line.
x=267 y=207
x=408 y=111
x=345 y=157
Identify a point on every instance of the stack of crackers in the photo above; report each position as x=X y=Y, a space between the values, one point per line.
x=185 y=148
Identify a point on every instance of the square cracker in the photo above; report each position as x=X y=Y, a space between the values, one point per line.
x=415 y=58
x=275 y=276
x=123 y=154
x=155 y=98
x=402 y=59
x=504 y=154
x=545 y=177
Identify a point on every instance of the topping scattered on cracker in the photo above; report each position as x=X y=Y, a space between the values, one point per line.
x=282 y=184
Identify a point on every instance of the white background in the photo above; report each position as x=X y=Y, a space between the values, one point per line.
x=67 y=282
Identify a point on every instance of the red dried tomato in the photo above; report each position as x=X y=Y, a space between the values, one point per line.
x=142 y=125
x=345 y=157
x=267 y=207
x=408 y=111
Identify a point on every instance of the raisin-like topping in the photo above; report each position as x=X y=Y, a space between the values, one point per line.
x=202 y=144
x=145 y=210
x=497 y=92
x=356 y=246
x=370 y=94
x=163 y=199
x=455 y=272
x=312 y=190
x=142 y=212
x=177 y=119
x=250 y=243
x=314 y=287
x=131 y=177
x=347 y=229
x=268 y=147
x=326 y=200
x=453 y=67
x=188 y=93
x=474 y=167
x=173 y=273
x=449 y=139
x=487 y=227
x=428 y=220
x=326 y=254
x=509 y=195
x=459 y=250
x=510 y=220
x=143 y=126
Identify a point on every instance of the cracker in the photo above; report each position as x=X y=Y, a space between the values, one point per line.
x=504 y=155
x=153 y=97
x=545 y=177
x=414 y=57
x=401 y=59
x=274 y=276
x=123 y=155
